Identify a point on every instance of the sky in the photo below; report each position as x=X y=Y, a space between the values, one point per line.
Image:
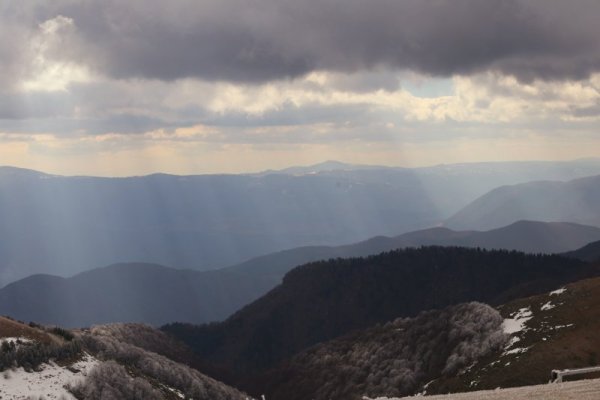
x=116 y=88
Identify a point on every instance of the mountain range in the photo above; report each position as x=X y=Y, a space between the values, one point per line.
x=156 y=295
x=65 y=225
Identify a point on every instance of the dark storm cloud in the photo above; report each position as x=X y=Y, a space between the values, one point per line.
x=262 y=40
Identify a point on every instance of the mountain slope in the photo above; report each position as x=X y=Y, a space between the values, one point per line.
x=573 y=201
x=320 y=301
x=127 y=293
x=394 y=359
x=40 y=362
x=556 y=330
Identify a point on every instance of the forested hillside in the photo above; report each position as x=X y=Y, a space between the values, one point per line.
x=323 y=300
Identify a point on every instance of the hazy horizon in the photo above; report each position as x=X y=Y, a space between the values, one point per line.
x=291 y=166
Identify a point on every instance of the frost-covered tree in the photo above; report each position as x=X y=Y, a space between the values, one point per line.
x=394 y=359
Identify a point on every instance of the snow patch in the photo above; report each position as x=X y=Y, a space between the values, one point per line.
x=513 y=340
x=16 y=340
x=517 y=350
x=563 y=326
x=558 y=292
x=548 y=306
x=176 y=392
x=50 y=382
x=517 y=322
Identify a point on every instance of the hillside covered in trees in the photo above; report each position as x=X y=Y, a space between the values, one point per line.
x=393 y=359
x=324 y=300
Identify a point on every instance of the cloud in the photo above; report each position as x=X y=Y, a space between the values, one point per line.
x=264 y=40
x=15 y=55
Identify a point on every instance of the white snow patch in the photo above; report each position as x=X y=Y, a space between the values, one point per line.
x=178 y=393
x=424 y=391
x=50 y=382
x=563 y=326
x=15 y=340
x=558 y=292
x=548 y=306
x=517 y=322
x=517 y=350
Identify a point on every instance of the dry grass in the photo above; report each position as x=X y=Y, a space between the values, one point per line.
x=12 y=328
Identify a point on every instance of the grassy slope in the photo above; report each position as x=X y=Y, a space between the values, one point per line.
x=12 y=328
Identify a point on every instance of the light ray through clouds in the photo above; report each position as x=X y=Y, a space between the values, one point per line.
x=113 y=88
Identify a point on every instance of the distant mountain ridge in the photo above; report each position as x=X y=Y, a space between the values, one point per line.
x=571 y=201
x=526 y=236
x=590 y=252
x=64 y=225
x=156 y=295
x=136 y=292
x=326 y=166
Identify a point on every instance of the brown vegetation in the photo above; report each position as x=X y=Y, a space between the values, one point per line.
x=562 y=337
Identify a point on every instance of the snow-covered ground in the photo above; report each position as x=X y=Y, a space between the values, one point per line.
x=49 y=383
x=579 y=390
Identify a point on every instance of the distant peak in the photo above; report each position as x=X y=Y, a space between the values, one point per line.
x=325 y=166
x=333 y=164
